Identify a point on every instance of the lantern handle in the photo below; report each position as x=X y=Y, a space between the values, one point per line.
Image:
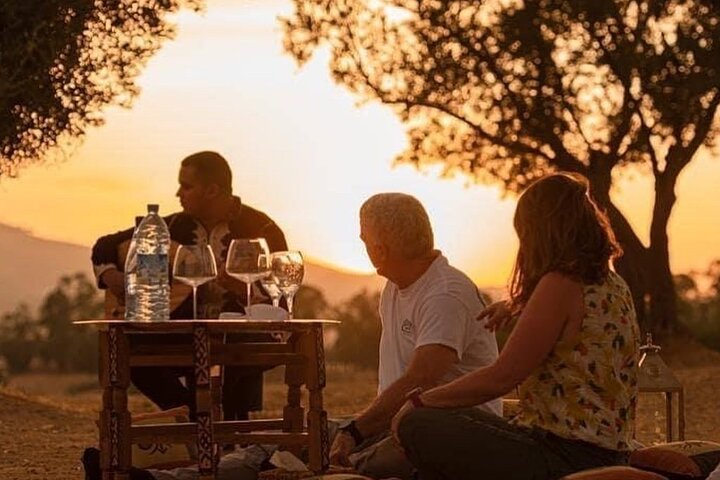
x=649 y=346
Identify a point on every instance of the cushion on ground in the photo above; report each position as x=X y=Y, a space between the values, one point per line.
x=679 y=460
x=332 y=474
x=161 y=455
x=511 y=407
x=340 y=476
x=614 y=473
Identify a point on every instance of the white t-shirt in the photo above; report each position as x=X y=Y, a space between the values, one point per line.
x=441 y=307
x=715 y=474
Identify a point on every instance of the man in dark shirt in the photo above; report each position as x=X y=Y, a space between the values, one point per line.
x=211 y=215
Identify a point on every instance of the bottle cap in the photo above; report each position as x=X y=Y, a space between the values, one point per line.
x=153 y=208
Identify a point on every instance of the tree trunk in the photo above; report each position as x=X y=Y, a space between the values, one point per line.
x=632 y=267
x=645 y=269
x=663 y=300
x=662 y=308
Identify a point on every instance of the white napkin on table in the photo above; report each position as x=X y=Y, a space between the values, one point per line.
x=258 y=312
x=262 y=311
x=232 y=316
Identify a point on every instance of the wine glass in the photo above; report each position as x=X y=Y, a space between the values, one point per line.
x=243 y=262
x=287 y=270
x=268 y=282
x=194 y=265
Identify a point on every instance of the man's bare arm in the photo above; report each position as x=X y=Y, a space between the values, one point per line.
x=430 y=363
x=114 y=280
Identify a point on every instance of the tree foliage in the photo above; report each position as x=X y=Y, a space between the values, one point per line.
x=68 y=347
x=359 y=331
x=699 y=308
x=62 y=61
x=509 y=90
x=51 y=337
x=310 y=303
x=20 y=337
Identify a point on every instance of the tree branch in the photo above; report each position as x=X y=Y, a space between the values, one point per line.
x=513 y=146
x=679 y=156
x=644 y=136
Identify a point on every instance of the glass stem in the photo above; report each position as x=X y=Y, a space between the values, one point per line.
x=194 y=302
x=289 y=300
x=249 y=292
x=276 y=302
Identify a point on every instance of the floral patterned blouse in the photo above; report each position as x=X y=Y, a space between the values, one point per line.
x=586 y=389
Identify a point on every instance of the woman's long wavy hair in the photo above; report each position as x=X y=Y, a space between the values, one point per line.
x=562 y=230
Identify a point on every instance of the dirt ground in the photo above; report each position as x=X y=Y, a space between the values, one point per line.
x=47 y=420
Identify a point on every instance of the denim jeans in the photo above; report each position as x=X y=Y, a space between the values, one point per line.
x=475 y=445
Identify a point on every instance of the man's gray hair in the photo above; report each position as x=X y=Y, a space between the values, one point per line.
x=401 y=222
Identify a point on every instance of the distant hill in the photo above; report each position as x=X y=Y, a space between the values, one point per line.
x=30 y=267
x=339 y=286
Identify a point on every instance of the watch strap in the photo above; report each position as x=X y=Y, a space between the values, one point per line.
x=351 y=428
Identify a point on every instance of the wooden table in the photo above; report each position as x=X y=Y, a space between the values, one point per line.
x=303 y=357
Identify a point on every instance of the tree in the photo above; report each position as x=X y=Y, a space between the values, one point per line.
x=699 y=309
x=62 y=61
x=507 y=91
x=359 y=331
x=713 y=273
x=66 y=346
x=310 y=303
x=20 y=336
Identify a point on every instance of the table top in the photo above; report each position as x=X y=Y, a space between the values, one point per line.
x=212 y=323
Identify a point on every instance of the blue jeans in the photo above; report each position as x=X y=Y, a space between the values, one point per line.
x=471 y=444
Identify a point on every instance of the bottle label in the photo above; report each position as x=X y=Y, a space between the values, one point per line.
x=130 y=284
x=150 y=267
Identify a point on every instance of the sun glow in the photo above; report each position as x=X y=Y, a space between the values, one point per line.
x=301 y=150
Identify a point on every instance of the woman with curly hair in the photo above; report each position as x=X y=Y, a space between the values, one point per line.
x=572 y=356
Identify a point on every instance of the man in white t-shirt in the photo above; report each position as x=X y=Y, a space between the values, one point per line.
x=430 y=334
x=715 y=474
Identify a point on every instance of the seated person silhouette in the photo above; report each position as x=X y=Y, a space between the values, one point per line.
x=430 y=336
x=211 y=215
x=572 y=354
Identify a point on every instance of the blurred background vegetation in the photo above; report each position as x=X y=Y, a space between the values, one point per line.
x=46 y=341
x=698 y=296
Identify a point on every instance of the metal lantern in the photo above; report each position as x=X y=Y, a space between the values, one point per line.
x=654 y=376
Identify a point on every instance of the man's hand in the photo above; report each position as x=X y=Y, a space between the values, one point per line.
x=114 y=280
x=341 y=448
x=397 y=418
x=498 y=315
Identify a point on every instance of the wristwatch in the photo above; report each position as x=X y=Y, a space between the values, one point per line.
x=351 y=429
x=414 y=397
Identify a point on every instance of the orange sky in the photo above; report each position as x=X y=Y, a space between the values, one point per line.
x=301 y=150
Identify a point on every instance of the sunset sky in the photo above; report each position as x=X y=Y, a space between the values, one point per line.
x=301 y=150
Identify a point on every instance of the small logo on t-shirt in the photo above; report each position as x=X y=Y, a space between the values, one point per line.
x=406 y=326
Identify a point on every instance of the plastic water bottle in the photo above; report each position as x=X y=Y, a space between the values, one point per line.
x=152 y=289
x=131 y=276
x=131 y=281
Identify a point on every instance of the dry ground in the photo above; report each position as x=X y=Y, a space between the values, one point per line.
x=46 y=420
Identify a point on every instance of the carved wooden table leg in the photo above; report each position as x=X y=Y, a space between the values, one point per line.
x=217 y=373
x=114 y=372
x=293 y=412
x=669 y=416
x=317 y=416
x=681 y=414
x=203 y=400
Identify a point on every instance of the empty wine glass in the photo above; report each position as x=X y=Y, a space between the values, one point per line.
x=194 y=265
x=268 y=282
x=243 y=262
x=287 y=270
